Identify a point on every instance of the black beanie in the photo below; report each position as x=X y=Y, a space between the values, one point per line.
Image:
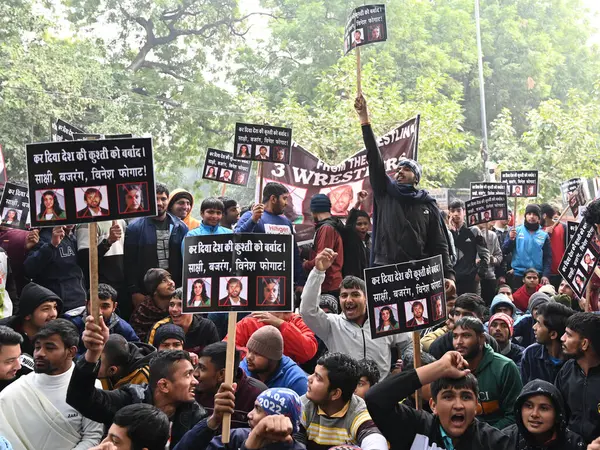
x=33 y=295
x=168 y=331
x=320 y=203
x=533 y=209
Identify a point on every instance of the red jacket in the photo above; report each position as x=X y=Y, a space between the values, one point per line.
x=299 y=342
x=521 y=297
x=558 y=246
x=328 y=236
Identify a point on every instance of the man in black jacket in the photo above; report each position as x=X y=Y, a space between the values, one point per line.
x=454 y=394
x=579 y=379
x=171 y=387
x=407 y=224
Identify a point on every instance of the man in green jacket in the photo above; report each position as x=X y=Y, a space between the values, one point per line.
x=498 y=377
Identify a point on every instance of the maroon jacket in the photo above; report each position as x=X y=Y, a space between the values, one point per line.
x=328 y=235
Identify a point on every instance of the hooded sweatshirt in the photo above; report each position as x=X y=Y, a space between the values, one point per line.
x=136 y=371
x=188 y=220
x=329 y=235
x=499 y=301
x=563 y=439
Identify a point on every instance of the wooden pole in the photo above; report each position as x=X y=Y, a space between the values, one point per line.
x=515 y=212
x=230 y=355
x=261 y=176
x=417 y=363
x=94 y=303
x=358 y=72
x=223 y=189
x=588 y=296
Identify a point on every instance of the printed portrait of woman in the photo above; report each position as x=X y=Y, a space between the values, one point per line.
x=10 y=217
x=387 y=320
x=198 y=295
x=49 y=207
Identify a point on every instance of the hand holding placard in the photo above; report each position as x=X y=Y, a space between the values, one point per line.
x=360 y=105
x=224 y=404
x=115 y=232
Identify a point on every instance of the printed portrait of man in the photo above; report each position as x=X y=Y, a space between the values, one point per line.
x=417 y=310
x=226 y=175
x=234 y=290
x=262 y=153
x=341 y=197
x=92 y=198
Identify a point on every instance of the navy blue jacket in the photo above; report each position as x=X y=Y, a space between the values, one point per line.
x=536 y=364
x=56 y=268
x=140 y=251
x=523 y=331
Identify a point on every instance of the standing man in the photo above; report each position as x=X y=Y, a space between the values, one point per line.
x=52 y=423
x=357 y=239
x=153 y=242
x=530 y=248
x=488 y=281
x=579 y=379
x=328 y=234
x=181 y=203
x=211 y=211
x=471 y=247
x=231 y=212
x=407 y=223
x=558 y=240
x=501 y=228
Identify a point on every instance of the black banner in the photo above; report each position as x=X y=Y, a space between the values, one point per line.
x=571 y=229
x=263 y=143
x=238 y=272
x=574 y=194
x=580 y=258
x=93 y=136
x=89 y=181
x=483 y=188
x=221 y=166
x=405 y=297
x=521 y=183
x=14 y=206
x=365 y=25
x=485 y=209
x=64 y=131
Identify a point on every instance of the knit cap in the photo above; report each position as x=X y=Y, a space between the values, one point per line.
x=168 y=331
x=330 y=302
x=282 y=401
x=33 y=295
x=414 y=166
x=536 y=300
x=320 y=203
x=548 y=289
x=504 y=318
x=533 y=209
x=268 y=342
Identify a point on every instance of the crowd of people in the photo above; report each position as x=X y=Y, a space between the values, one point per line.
x=515 y=364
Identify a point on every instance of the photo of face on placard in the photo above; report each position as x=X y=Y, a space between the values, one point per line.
x=233 y=291
x=487 y=215
x=579 y=281
x=499 y=214
x=199 y=292
x=211 y=172
x=263 y=152
x=91 y=201
x=280 y=155
x=244 y=151
x=531 y=191
x=386 y=318
x=588 y=261
x=270 y=291
x=358 y=37
x=133 y=198
x=375 y=32
x=517 y=191
x=225 y=175
x=239 y=177
x=50 y=204
x=11 y=216
x=473 y=219
x=437 y=305
x=416 y=313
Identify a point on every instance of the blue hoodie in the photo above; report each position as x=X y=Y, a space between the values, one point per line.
x=288 y=375
x=205 y=230
x=502 y=300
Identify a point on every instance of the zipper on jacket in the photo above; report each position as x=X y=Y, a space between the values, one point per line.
x=364 y=343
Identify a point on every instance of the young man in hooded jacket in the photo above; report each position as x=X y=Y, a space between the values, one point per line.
x=542 y=420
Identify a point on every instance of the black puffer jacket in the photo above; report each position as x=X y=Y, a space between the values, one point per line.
x=521 y=439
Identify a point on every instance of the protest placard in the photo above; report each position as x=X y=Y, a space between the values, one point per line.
x=89 y=181
x=238 y=272
x=483 y=188
x=521 y=183
x=575 y=194
x=441 y=197
x=365 y=25
x=307 y=175
x=221 y=166
x=94 y=136
x=263 y=143
x=406 y=296
x=2 y=168
x=580 y=258
x=64 y=131
x=571 y=229
x=14 y=206
x=485 y=209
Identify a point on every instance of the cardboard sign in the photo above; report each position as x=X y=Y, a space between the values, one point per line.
x=14 y=206
x=521 y=183
x=64 y=131
x=571 y=229
x=483 y=188
x=441 y=197
x=405 y=297
x=580 y=258
x=220 y=166
x=575 y=194
x=90 y=181
x=263 y=143
x=365 y=25
x=486 y=209
x=238 y=272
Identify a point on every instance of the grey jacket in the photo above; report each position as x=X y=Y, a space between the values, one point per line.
x=493 y=245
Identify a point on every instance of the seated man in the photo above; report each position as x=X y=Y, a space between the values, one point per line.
x=531 y=284
x=137 y=427
x=10 y=355
x=266 y=361
x=503 y=304
x=52 y=423
x=299 y=342
x=124 y=363
x=368 y=377
x=211 y=374
x=501 y=329
x=171 y=387
x=199 y=332
x=108 y=305
x=169 y=337
x=454 y=394
x=542 y=420
x=273 y=421
x=331 y=413
x=523 y=327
